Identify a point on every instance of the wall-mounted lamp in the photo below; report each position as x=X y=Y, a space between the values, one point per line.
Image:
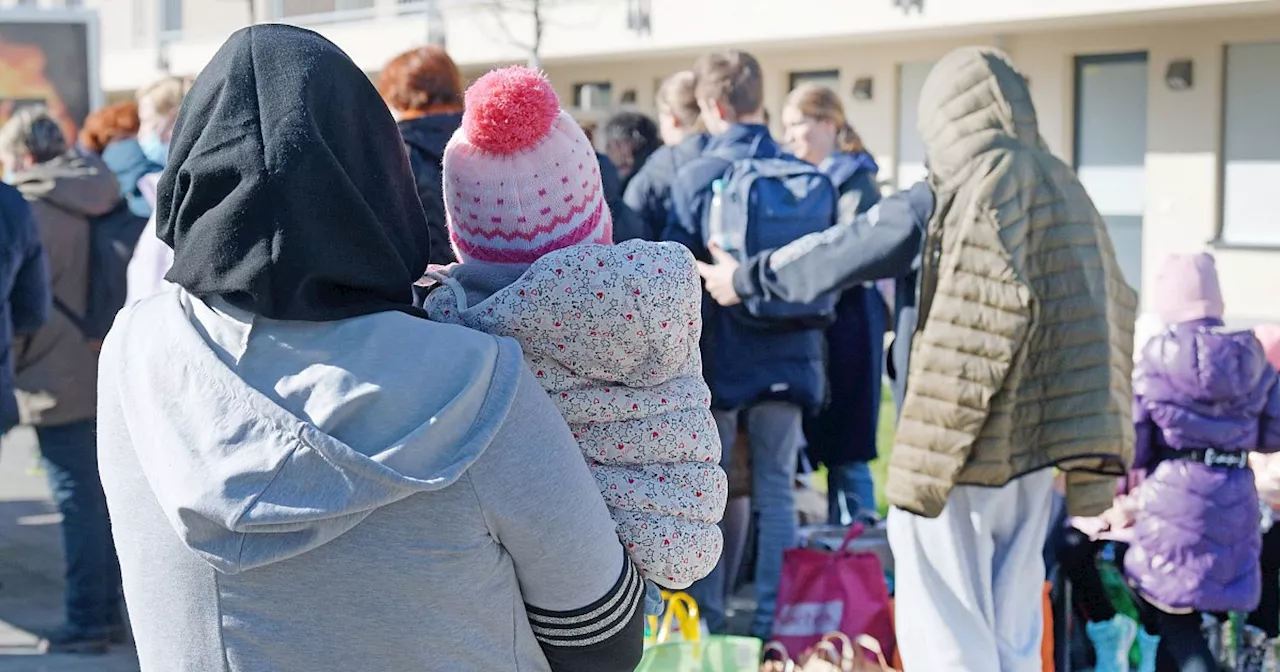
x=1180 y=75
x=862 y=88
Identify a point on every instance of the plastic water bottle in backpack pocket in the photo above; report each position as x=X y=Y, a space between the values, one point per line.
x=764 y=204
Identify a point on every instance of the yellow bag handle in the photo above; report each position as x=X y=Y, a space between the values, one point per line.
x=683 y=611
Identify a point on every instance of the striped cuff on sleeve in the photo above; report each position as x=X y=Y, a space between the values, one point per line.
x=594 y=623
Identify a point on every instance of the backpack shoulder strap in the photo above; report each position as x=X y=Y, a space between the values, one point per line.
x=80 y=324
x=77 y=320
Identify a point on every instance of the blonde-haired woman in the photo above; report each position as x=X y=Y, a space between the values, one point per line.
x=843 y=436
x=158 y=105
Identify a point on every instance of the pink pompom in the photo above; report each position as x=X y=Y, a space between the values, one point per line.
x=509 y=110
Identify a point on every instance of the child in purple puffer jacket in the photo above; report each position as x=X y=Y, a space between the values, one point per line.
x=1204 y=397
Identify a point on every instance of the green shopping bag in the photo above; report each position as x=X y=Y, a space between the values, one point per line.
x=676 y=643
x=714 y=653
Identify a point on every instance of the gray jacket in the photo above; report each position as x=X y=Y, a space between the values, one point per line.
x=292 y=496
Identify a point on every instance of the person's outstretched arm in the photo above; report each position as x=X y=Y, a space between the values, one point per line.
x=881 y=243
x=583 y=596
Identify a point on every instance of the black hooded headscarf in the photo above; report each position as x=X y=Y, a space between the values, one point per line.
x=288 y=191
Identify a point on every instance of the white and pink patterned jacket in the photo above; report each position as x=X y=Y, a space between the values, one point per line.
x=612 y=334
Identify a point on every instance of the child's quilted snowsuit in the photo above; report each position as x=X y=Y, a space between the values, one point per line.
x=612 y=334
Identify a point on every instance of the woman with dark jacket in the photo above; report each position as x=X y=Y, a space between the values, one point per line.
x=423 y=88
x=280 y=470
x=843 y=436
x=648 y=192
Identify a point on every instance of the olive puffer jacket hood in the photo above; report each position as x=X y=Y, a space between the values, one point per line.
x=1022 y=357
x=1197 y=538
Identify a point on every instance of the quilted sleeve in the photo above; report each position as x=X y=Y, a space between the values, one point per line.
x=1269 y=429
x=665 y=487
x=978 y=319
x=1145 y=430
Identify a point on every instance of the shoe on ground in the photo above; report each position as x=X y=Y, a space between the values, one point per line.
x=69 y=639
x=1112 y=641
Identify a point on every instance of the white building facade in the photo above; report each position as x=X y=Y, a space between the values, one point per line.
x=1169 y=109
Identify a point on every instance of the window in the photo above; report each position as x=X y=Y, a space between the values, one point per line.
x=321 y=9
x=1251 y=146
x=593 y=96
x=829 y=78
x=911 y=157
x=170 y=16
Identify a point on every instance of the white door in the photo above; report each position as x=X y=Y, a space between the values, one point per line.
x=911 y=168
x=1111 y=148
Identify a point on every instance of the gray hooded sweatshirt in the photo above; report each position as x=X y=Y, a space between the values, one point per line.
x=295 y=496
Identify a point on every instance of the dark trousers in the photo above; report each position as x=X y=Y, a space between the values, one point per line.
x=1182 y=644
x=93 y=572
x=1267 y=615
x=1077 y=555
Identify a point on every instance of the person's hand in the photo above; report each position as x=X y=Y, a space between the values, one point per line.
x=718 y=277
x=1122 y=514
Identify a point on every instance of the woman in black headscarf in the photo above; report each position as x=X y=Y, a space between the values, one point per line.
x=315 y=477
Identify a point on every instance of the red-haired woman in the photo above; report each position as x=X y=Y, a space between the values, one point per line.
x=112 y=133
x=423 y=88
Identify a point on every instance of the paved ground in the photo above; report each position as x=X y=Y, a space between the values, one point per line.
x=31 y=569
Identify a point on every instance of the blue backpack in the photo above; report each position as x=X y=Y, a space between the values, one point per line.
x=767 y=202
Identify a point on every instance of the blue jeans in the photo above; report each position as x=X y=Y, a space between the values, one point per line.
x=93 y=595
x=776 y=433
x=851 y=491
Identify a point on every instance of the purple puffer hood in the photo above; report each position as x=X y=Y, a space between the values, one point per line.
x=1196 y=540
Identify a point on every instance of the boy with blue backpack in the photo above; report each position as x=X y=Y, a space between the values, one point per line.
x=762 y=360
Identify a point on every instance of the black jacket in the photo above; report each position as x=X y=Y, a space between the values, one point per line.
x=845 y=431
x=425 y=138
x=625 y=222
x=883 y=243
x=648 y=193
x=24 y=290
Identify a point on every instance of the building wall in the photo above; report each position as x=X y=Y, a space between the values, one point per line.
x=589 y=41
x=1184 y=129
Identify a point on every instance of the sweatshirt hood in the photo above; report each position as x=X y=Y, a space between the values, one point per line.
x=246 y=483
x=972 y=103
x=1204 y=366
x=77 y=183
x=841 y=167
x=273 y=201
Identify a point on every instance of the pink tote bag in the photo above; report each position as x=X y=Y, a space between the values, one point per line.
x=823 y=592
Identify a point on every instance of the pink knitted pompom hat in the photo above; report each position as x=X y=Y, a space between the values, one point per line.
x=520 y=177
